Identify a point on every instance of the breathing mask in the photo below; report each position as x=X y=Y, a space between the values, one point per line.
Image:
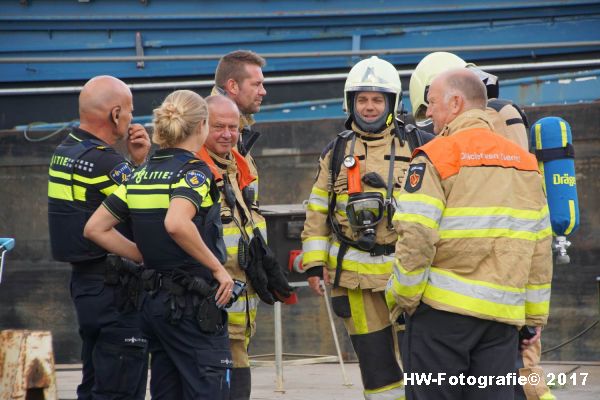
x=364 y=212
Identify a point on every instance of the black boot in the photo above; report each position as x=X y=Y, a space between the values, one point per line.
x=240 y=384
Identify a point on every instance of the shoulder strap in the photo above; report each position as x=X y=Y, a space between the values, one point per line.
x=337 y=155
x=335 y=165
x=417 y=137
x=499 y=104
x=245 y=177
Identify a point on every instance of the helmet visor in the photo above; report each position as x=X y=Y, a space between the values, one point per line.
x=370 y=89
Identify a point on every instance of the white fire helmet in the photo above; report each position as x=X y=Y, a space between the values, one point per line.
x=373 y=75
x=431 y=66
x=428 y=68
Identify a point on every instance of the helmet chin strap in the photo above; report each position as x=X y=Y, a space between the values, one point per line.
x=376 y=126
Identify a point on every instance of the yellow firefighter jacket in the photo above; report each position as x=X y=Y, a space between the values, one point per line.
x=237 y=224
x=508 y=121
x=319 y=245
x=474 y=228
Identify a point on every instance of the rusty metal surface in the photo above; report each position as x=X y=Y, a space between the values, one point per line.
x=27 y=363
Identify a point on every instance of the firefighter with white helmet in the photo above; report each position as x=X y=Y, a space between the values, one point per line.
x=508 y=119
x=348 y=234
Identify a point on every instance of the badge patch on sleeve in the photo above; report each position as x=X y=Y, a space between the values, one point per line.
x=195 y=178
x=121 y=173
x=414 y=177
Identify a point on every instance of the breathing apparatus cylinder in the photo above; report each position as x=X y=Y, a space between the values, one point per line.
x=553 y=144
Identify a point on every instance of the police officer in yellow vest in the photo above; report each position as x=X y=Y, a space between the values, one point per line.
x=84 y=170
x=348 y=237
x=239 y=76
x=509 y=121
x=473 y=263
x=241 y=221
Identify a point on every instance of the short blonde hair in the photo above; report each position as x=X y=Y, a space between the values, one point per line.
x=178 y=117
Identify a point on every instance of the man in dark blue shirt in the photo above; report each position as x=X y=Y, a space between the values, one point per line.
x=84 y=170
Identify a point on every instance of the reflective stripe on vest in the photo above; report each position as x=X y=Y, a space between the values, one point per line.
x=236 y=314
x=232 y=234
x=537 y=300
x=361 y=261
x=318 y=200
x=315 y=249
x=419 y=208
x=491 y=222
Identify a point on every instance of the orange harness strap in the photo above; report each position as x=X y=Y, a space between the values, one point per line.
x=244 y=177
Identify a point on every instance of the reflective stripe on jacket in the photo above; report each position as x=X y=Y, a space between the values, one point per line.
x=474 y=228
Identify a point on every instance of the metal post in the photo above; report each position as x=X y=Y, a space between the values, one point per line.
x=335 y=336
x=278 y=347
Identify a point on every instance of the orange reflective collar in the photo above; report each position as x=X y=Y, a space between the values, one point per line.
x=244 y=177
x=475 y=147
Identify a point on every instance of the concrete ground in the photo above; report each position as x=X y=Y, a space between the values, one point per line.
x=325 y=381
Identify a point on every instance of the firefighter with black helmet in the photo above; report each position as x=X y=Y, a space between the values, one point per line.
x=348 y=238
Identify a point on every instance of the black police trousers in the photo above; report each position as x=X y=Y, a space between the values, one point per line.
x=449 y=345
x=114 y=353
x=186 y=363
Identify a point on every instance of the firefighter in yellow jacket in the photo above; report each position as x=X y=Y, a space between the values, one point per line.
x=473 y=262
x=509 y=121
x=348 y=236
x=507 y=118
x=241 y=222
x=239 y=77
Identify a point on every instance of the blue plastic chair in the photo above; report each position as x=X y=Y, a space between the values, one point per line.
x=6 y=245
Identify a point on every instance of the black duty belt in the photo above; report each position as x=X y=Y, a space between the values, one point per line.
x=97 y=266
x=165 y=282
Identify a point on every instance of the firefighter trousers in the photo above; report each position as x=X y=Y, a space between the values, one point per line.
x=441 y=342
x=367 y=321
